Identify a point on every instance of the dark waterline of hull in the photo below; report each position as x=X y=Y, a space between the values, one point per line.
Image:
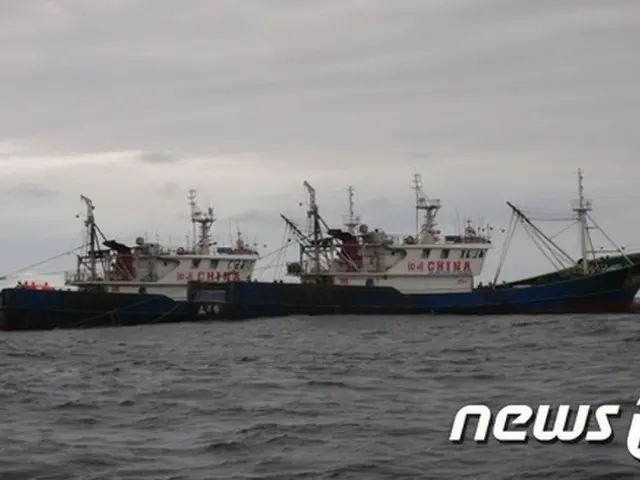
x=609 y=292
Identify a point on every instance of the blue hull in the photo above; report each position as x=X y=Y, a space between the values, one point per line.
x=24 y=309
x=610 y=292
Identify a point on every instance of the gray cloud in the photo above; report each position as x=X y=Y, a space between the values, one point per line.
x=31 y=191
x=490 y=100
x=156 y=157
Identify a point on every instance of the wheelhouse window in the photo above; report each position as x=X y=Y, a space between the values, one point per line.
x=195 y=263
x=425 y=253
x=444 y=253
x=213 y=264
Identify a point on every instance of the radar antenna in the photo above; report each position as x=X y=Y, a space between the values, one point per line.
x=352 y=220
x=202 y=223
x=427 y=232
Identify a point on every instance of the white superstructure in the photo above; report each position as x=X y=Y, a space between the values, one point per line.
x=425 y=262
x=151 y=268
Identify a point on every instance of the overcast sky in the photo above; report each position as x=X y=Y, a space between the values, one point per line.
x=134 y=102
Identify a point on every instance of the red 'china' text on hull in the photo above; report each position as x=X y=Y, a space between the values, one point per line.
x=212 y=276
x=441 y=266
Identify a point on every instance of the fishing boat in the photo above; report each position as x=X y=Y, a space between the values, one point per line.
x=118 y=284
x=350 y=270
x=356 y=270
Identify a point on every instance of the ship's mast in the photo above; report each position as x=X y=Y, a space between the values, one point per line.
x=353 y=220
x=91 y=236
x=239 y=240
x=194 y=208
x=202 y=223
x=417 y=187
x=430 y=207
x=582 y=207
x=312 y=215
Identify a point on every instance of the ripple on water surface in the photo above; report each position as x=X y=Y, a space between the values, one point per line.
x=325 y=397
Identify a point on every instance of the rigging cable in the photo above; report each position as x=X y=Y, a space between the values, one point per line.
x=275 y=252
x=505 y=246
x=523 y=217
x=548 y=243
x=624 y=255
x=280 y=257
x=539 y=243
x=560 y=233
x=563 y=230
x=42 y=262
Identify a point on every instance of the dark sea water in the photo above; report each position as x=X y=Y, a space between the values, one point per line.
x=296 y=398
